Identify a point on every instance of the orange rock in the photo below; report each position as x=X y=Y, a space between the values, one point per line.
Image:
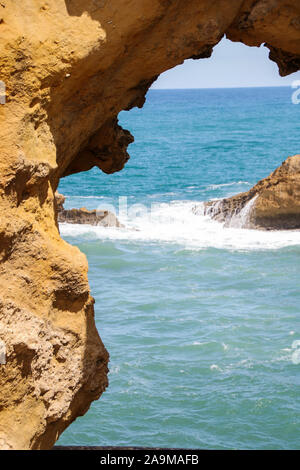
x=69 y=67
x=272 y=204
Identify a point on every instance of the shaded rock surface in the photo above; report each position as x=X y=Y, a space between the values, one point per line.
x=84 y=216
x=70 y=67
x=272 y=204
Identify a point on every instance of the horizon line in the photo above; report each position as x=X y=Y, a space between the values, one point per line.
x=222 y=88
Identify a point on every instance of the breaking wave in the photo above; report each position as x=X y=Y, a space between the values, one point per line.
x=177 y=223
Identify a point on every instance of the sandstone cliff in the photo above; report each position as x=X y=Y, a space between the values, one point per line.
x=69 y=67
x=272 y=204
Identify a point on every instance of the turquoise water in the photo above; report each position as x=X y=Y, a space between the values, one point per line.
x=201 y=321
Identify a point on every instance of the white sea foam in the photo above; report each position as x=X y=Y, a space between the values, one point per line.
x=242 y=219
x=224 y=185
x=178 y=223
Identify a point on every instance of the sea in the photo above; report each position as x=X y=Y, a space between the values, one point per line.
x=202 y=322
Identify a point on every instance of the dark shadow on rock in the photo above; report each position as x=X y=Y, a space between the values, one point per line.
x=76 y=8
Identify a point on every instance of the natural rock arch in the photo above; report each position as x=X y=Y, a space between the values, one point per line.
x=70 y=67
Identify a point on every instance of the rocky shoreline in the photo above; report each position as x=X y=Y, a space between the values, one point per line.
x=84 y=216
x=272 y=204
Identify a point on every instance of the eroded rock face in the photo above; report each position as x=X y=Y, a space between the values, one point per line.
x=70 y=66
x=272 y=204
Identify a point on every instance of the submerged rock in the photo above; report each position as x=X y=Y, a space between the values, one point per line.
x=85 y=216
x=272 y=204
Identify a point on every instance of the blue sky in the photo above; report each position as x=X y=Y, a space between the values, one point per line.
x=231 y=65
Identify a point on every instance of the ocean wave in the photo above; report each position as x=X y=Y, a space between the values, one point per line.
x=86 y=197
x=177 y=223
x=224 y=185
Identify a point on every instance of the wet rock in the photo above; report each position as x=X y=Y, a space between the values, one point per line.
x=84 y=216
x=272 y=204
